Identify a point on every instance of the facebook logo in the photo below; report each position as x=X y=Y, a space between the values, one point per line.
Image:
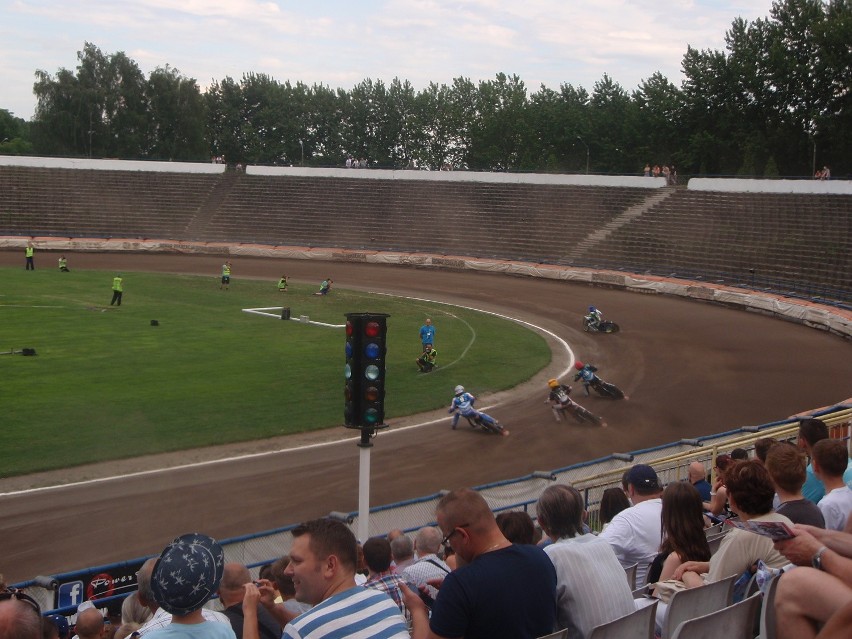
x=70 y=594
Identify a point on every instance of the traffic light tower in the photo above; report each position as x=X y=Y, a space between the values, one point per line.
x=364 y=394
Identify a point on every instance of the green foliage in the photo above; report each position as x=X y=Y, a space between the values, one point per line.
x=107 y=385
x=780 y=88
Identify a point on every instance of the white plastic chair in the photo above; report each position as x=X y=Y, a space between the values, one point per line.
x=767 y=614
x=733 y=622
x=630 y=572
x=636 y=625
x=695 y=602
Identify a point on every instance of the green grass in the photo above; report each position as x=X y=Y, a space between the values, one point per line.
x=107 y=385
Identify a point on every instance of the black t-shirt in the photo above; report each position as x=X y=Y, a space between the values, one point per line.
x=503 y=594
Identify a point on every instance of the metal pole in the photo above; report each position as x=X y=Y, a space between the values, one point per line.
x=364 y=486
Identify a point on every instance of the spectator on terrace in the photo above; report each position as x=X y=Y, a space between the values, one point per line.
x=231 y=594
x=55 y=627
x=826 y=173
x=635 y=532
x=20 y=616
x=762 y=446
x=132 y=611
x=517 y=526
x=184 y=578
x=613 y=501
x=739 y=454
x=377 y=555
x=683 y=531
x=161 y=617
x=750 y=492
x=786 y=465
x=402 y=553
x=718 y=504
x=590 y=584
x=830 y=462
x=825 y=576
x=502 y=590
x=647 y=170
x=285 y=588
x=90 y=624
x=698 y=478
x=323 y=560
x=811 y=431
x=429 y=566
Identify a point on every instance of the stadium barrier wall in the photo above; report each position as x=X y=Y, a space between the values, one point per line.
x=109 y=584
x=812 y=314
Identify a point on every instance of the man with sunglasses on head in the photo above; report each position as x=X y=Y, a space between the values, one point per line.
x=499 y=591
x=20 y=617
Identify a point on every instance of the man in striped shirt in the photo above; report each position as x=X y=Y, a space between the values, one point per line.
x=322 y=566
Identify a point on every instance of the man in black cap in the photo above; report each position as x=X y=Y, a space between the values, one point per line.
x=634 y=533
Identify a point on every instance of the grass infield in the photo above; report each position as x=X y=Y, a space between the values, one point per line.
x=105 y=384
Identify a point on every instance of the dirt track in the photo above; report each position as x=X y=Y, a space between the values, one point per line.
x=689 y=368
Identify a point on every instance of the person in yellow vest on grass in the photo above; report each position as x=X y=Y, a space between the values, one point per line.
x=63 y=264
x=117 y=290
x=29 y=252
x=226 y=276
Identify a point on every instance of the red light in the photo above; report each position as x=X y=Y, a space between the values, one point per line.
x=372 y=329
x=348 y=328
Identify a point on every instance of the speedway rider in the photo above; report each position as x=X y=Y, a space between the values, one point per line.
x=595 y=317
x=462 y=405
x=558 y=397
x=586 y=372
x=560 y=401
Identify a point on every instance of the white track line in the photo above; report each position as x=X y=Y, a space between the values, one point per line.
x=402 y=429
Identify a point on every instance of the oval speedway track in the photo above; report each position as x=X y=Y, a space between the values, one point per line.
x=689 y=368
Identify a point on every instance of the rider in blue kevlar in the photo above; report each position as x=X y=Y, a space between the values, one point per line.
x=586 y=372
x=462 y=405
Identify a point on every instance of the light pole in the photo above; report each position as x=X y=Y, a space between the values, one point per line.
x=587 y=153
x=302 y=145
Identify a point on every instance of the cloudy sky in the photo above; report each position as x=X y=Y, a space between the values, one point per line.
x=339 y=44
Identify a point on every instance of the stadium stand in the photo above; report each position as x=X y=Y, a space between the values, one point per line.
x=788 y=243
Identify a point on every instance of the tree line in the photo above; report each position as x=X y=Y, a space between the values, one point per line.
x=775 y=102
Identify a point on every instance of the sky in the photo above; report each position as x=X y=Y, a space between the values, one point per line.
x=339 y=44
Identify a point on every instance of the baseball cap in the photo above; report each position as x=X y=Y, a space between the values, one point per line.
x=643 y=476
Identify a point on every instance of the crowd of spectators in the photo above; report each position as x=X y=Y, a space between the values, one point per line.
x=477 y=575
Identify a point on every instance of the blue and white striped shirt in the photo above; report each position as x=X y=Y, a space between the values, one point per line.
x=357 y=613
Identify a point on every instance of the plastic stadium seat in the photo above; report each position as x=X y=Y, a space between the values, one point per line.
x=695 y=602
x=767 y=614
x=636 y=625
x=630 y=573
x=733 y=622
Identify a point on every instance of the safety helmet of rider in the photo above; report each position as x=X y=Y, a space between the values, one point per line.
x=592 y=309
x=553 y=383
x=459 y=389
x=579 y=365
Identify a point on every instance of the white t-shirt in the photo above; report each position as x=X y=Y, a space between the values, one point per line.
x=835 y=507
x=635 y=535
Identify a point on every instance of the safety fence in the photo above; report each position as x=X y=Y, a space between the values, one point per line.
x=108 y=585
